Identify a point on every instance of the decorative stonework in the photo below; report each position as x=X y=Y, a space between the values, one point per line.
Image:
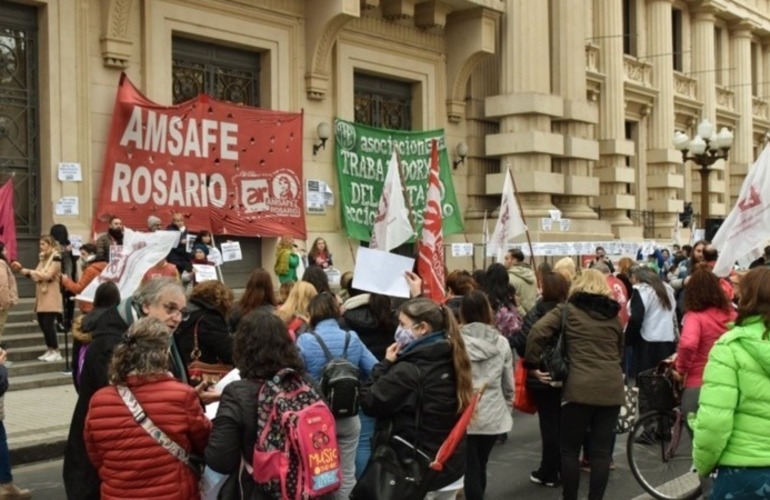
x=115 y=45
x=592 y=57
x=759 y=108
x=637 y=71
x=725 y=98
x=685 y=86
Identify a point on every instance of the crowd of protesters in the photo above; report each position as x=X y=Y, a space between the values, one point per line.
x=419 y=362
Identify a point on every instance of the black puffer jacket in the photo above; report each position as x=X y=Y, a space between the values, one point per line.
x=392 y=395
x=214 y=340
x=81 y=480
x=376 y=335
x=519 y=341
x=233 y=436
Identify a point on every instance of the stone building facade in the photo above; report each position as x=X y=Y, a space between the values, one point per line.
x=580 y=97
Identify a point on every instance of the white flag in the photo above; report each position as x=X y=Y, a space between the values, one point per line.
x=140 y=251
x=510 y=223
x=391 y=225
x=748 y=224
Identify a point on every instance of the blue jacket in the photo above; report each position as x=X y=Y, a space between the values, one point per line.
x=334 y=338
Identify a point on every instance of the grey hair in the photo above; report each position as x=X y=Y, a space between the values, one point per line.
x=150 y=292
x=144 y=351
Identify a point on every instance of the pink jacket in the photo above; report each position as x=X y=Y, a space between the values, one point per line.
x=700 y=330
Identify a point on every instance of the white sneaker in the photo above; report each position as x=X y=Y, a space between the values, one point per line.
x=45 y=356
x=55 y=356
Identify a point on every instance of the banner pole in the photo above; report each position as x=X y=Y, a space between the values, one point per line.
x=352 y=253
x=521 y=211
x=407 y=201
x=220 y=275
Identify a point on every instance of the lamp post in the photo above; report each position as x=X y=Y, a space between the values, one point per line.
x=704 y=150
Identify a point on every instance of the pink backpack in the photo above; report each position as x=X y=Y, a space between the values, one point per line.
x=296 y=454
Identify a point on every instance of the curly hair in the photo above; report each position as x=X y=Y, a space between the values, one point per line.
x=262 y=347
x=215 y=294
x=702 y=292
x=144 y=351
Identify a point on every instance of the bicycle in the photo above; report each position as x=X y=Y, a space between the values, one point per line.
x=659 y=446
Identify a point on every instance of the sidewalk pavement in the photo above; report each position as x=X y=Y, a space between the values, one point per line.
x=37 y=422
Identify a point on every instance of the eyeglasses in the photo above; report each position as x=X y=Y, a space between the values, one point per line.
x=173 y=310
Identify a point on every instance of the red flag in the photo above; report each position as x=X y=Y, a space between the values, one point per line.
x=7 y=219
x=457 y=433
x=430 y=265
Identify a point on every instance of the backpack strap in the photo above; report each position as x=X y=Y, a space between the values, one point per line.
x=347 y=343
x=326 y=351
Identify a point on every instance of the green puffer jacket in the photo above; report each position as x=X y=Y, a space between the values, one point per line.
x=731 y=426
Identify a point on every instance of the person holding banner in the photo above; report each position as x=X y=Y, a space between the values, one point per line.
x=92 y=266
x=112 y=238
x=178 y=255
x=48 y=297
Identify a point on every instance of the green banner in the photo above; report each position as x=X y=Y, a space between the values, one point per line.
x=363 y=154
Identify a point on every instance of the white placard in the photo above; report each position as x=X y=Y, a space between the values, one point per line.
x=555 y=214
x=328 y=194
x=564 y=224
x=76 y=241
x=204 y=272
x=462 y=249
x=68 y=205
x=546 y=224
x=231 y=250
x=215 y=256
x=382 y=272
x=334 y=275
x=699 y=234
x=70 y=172
x=190 y=242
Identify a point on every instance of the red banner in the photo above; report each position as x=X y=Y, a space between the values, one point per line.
x=8 y=219
x=430 y=265
x=231 y=169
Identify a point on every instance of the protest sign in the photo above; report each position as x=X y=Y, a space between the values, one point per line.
x=362 y=164
x=139 y=252
x=231 y=169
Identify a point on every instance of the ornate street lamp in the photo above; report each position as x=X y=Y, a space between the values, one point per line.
x=704 y=149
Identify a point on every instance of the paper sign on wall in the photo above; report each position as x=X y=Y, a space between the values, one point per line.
x=231 y=250
x=564 y=224
x=68 y=205
x=546 y=223
x=70 y=172
x=462 y=249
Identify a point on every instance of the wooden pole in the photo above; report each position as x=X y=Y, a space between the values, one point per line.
x=521 y=212
x=352 y=253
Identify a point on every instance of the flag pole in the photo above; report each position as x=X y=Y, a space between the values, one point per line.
x=521 y=211
x=352 y=253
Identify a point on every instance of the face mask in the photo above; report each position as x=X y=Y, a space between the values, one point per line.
x=404 y=336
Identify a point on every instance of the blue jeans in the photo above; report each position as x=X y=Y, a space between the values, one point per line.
x=5 y=457
x=364 y=450
x=741 y=483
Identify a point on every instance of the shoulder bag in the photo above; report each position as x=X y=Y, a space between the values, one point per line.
x=198 y=371
x=396 y=467
x=555 y=359
x=158 y=435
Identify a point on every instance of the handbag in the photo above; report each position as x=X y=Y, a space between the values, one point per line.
x=396 y=467
x=522 y=398
x=168 y=444
x=198 y=371
x=555 y=359
x=628 y=410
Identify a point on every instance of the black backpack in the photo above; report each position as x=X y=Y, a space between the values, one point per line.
x=340 y=384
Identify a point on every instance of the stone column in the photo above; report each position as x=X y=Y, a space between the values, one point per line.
x=704 y=66
x=664 y=163
x=524 y=109
x=742 y=152
x=612 y=171
x=568 y=80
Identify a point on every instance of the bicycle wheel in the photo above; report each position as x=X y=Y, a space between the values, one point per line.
x=660 y=456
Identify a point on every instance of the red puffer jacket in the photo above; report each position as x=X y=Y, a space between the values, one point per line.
x=132 y=464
